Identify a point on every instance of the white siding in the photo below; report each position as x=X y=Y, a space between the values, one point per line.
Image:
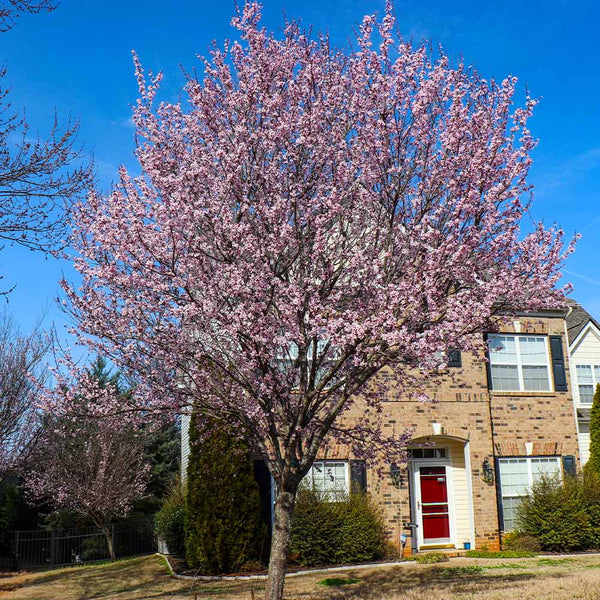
x=584 y=441
x=460 y=488
x=587 y=352
x=185 y=444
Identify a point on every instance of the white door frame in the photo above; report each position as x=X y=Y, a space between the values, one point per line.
x=415 y=465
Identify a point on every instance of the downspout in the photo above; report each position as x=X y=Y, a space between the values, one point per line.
x=493 y=435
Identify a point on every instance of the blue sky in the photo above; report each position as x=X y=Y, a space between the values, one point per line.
x=77 y=61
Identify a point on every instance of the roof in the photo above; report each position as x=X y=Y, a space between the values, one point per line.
x=577 y=319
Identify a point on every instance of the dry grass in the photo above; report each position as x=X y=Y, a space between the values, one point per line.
x=461 y=579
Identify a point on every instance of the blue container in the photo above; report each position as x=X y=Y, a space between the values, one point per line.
x=467 y=545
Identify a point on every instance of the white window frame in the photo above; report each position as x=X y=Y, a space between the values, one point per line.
x=285 y=361
x=528 y=461
x=595 y=381
x=519 y=362
x=330 y=495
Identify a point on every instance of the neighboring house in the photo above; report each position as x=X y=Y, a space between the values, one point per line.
x=584 y=349
x=494 y=430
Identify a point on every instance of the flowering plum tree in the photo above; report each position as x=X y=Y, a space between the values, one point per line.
x=21 y=366
x=88 y=461
x=309 y=218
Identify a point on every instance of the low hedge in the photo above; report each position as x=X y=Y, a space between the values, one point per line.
x=344 y=532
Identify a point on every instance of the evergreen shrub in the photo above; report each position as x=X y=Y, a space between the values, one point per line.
x=170 y=520
x=593 y=463
x=558 y=515
x=590 y=492
x=224 y=526
x=348 y=531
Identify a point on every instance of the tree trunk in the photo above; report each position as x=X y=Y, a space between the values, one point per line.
x=280 y=540
x=109 y=542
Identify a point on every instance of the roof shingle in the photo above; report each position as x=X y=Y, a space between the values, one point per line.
x=577 y=319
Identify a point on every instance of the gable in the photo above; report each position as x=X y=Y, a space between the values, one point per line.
x=586 y=348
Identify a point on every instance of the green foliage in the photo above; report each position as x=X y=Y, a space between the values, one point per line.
x=500 y=554
x=505 y=566
x=93 y=548
x=337 y=581
x=514 y=540
x=590 y=493
x=314 y=526
x=15 y=512
x=169 y=523
x=562 y=516
x=593 y=464
x=224 y=527
x=466 y=570
x=552 y=562
x=361 y=536
x=431 y=558
x=345 y=532
x=162 y=454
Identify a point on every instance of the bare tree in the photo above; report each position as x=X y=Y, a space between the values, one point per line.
x=36 y=186
x=39 y=176
x=21 y=367
x=10 y=10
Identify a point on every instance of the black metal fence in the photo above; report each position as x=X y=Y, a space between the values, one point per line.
x=63 y=547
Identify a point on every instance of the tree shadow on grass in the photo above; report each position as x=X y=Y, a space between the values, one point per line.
x=145 y=577
x=97 y=580
x=393 y=582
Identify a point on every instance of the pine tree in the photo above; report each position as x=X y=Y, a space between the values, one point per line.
x=593 y=464
x=224 y=528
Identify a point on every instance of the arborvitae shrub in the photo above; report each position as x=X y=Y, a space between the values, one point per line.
x=593 y=463
x=224 y=528
x=556 y=515
x=590 y=483
x=169 y=521
x=348 y=531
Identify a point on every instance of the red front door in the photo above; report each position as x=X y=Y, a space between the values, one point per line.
x=435 y=515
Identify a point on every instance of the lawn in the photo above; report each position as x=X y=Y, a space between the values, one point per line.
x=460 y=579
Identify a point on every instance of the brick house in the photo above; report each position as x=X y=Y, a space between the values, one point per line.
x=494 y=429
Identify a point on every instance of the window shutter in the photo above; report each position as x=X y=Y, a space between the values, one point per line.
x=488 y=368
x=358 y=475
x=454 y=358
x=569 y=465
x=499 y=494
x=558 y=363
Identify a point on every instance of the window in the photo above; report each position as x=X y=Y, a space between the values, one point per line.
x=517 y=476
x=427 y=453
x=519 y=363
x=286 y=358
x=330 y=478
x=588 y=376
